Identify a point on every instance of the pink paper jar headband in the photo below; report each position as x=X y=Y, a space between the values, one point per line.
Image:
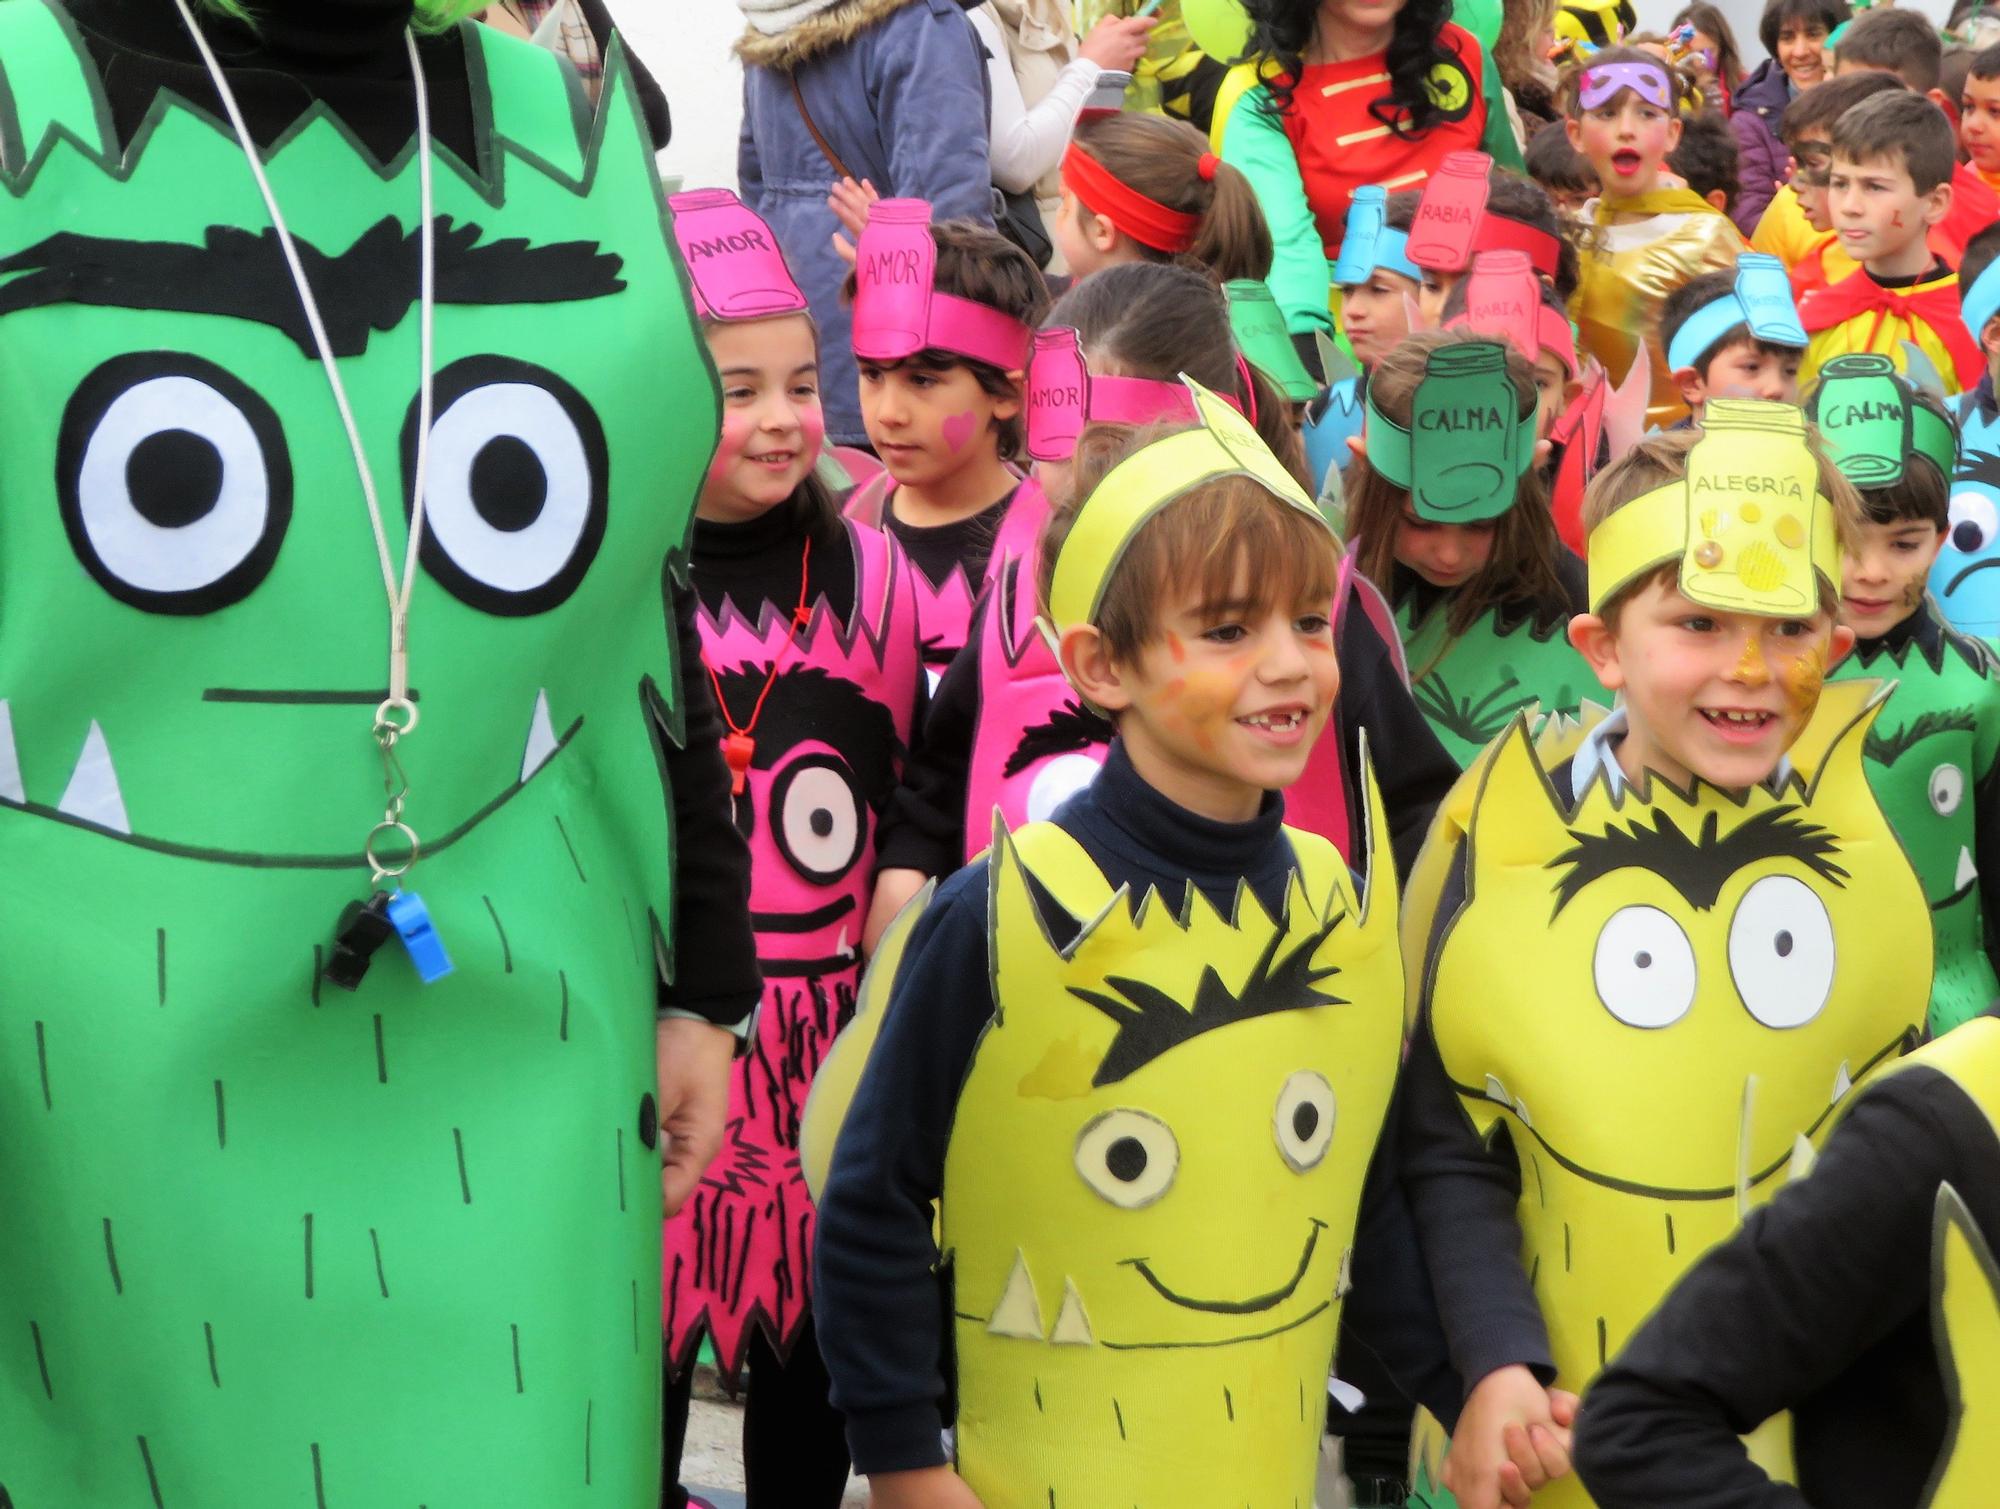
x=732 y=258
x=898 y=310
x=1063 y=396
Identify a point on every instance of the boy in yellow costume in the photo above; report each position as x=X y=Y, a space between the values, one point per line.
x=1887 y=1355
x=1726 y=935
x=1138 y=1055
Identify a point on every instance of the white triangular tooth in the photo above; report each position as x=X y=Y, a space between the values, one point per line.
x=1967 y=870
x=1521 y=1110
x=1843 y=1081
x=11 y=789
x=1018 y=1313
x=1803 y=1159
x=92 y=793
x=843 y=949
x=541 y=737
x=1497 y=1091
x=1345 y=1394
x=1072 y=1327
x=1344 y=1281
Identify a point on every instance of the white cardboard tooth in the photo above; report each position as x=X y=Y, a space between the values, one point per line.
x=541 y=737
x=92 y=793
x=1843 y=1081
x=1495 y=1090
x=11 y=789
x=1072 y=1327
x=1018 y=1313
x=1967 y=870
x=1803 y=1159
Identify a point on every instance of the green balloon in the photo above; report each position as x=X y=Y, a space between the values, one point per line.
x=1220 y=28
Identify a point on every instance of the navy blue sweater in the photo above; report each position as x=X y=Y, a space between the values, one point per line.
x=881 y=1313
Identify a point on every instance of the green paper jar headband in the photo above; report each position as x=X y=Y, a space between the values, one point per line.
x=1468 y=445
x=1871 y=423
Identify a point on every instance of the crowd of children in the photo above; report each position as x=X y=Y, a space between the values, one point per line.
x=1463 y=842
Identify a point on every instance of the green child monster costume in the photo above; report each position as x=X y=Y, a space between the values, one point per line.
x=1935 y=749
x=269 y=1242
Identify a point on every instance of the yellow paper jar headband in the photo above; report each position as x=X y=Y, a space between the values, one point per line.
x=1223 y=445
x=1747 y=523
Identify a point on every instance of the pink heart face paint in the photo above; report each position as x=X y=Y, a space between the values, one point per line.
x=959 y=430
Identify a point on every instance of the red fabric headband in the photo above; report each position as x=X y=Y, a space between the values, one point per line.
x=1498 y=233
x=1146 y=221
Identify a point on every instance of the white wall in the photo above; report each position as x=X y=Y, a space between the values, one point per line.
x=686 y=45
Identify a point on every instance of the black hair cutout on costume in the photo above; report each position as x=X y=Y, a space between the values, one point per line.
x=1069 y=728
x=241 y=274
x=1151 y=1022
x=1886 y=749
x=1697 y=868
x=806 y=702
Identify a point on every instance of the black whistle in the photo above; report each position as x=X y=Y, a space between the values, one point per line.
x=364 y=927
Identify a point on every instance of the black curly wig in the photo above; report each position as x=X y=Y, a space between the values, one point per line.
x=1282 y=30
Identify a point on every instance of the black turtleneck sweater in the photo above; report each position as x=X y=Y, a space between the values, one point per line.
x=882 y=1326
x=350 y=53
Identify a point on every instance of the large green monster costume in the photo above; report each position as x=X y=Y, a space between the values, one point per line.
x=268 y=1242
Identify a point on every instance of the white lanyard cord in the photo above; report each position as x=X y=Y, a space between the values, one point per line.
x=398 y=712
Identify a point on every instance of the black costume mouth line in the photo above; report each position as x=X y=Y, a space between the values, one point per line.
x=309 y=697
x=1956 y=896
x=802 y=922
x=1250 y=1306
x=246 y=860
x=1986 y=564
x=1660 y=1192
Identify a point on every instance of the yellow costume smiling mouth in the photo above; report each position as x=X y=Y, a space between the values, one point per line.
x=1234 y=1306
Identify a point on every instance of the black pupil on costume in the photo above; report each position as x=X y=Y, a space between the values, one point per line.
x=1967 y=536
x=1783 y=944
x=1643 y=959
x=508 y=483
x=174 y=478
x=821 y=821
x=1305 y=1121
x=1126 y=1158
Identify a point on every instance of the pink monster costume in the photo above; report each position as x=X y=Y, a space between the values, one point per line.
x=826 y=710
x=829 y=744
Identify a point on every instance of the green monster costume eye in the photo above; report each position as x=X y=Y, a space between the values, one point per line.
x=269 y=1239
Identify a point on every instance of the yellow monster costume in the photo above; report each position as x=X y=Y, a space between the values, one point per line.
x=1716 y=969
x=1156 y=1155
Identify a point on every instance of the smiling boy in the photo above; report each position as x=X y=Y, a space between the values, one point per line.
x=1114 y=1047
x=1590 y=1107
x=1889 y=183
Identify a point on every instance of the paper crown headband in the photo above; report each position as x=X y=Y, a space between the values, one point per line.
x=1761 y=299
x=1747 y=523
x=1064 y=396
x=1503 y=297
x=898 y=310
x=1145 y=220
x=1369 y=241
x=1222 y=445
x=1981 y=301
x=732 y=258
x=1261 y=336
x=1871 y=423
x=1462 y=459
x=1452 y=223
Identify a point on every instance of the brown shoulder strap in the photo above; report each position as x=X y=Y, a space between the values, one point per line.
x=799 y=99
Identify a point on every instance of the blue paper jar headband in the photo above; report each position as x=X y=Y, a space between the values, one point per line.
x=1369 y=241
x=1761 y=299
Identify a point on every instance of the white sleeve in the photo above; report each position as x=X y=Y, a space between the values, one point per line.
x=1026 y=143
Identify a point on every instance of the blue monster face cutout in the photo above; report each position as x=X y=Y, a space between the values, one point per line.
x=1964 y=581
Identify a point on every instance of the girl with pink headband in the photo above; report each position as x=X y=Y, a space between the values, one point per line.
x=1622 y=116
x=1004 y=729
x=942 y=315
x=808 y=627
